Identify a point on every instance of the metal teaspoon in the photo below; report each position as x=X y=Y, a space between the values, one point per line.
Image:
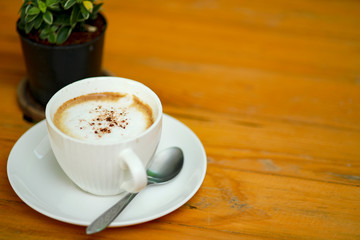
x=164 y=167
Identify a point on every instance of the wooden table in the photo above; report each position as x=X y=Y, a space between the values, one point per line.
x=272 y=91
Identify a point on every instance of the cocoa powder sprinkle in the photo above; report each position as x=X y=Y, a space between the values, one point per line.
x=106 y=119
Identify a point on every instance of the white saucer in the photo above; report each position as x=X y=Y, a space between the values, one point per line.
x=42 y=185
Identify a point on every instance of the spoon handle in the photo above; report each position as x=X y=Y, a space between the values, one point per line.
x=107 y=217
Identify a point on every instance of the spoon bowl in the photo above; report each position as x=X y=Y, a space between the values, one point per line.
x=164 y=166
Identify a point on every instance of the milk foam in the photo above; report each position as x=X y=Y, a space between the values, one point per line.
x=105 y=119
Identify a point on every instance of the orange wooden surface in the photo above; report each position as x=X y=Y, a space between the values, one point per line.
x=272 y=89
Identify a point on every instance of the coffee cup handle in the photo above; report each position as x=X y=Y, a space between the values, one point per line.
x=131 y=162
x=43 y=147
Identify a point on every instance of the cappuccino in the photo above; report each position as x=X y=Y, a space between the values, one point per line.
x=104 y=116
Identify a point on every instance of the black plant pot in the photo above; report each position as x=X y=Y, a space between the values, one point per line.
x=49 y=68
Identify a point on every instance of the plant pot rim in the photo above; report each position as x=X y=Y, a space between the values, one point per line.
x=62 y=47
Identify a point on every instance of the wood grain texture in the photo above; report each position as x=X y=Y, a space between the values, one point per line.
x=271 y=89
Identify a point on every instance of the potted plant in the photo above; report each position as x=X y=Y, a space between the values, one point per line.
x=62 y=42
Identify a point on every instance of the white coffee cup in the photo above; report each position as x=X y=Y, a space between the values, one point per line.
x=105 y=168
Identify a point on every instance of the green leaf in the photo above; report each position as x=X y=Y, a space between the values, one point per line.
x=53 y=28
x=27 y=8
x=50 y=3
x=52 y=37
x=48 y=17
x=42 y=6
x=63 y=34
x=84 y=12
x=74 y=16
x=29 y=27
x=30 y=18
x=33 y=11
x=96 y=9
x=38 y=21
x=45 y=33
x=55 y=7
x=69 y=3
